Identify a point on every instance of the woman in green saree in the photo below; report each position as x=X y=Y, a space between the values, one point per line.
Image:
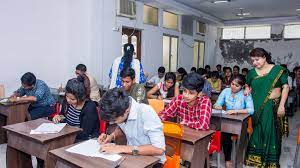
x=269 y=87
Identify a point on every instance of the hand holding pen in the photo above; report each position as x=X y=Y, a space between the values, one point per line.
x=104 y=138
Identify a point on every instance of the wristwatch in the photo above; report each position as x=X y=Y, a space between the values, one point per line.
x=135 y=151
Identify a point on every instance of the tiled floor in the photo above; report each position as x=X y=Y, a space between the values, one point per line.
x=286 y=159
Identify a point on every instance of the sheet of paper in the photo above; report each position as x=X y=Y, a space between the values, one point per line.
x=3 y=100
x=167 y=100
x=91 y=148
x=215 y=111
x=48 y=128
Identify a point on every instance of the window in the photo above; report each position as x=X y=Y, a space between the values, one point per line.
x=199 y=47
x=200 y=27
x=170 y=20
x=233 y=33
x=170 y=52
x=150 y=15
x=292 y=31
x=258 y=32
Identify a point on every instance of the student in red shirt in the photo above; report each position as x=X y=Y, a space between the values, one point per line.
x=192 y=108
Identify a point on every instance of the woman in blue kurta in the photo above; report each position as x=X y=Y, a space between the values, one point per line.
x=236 y=103
x=126 y=61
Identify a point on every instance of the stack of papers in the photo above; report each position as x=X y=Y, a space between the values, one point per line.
x=48 y=128
x=91 y=148
x=215 y=111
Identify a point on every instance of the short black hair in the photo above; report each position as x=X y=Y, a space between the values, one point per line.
x=237 y=67
x=215 y=74
x=245 y=70
x=81 y=67
x=128 y=72
x=207 y=66
x=202 y=71
x=228 y=69
x=28 y=79
x=114 y=104
x=193 y=81
x=77 y=88
x=219 y=65
x=193 y=69
x=161 y=69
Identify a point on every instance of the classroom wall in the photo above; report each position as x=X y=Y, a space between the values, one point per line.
x=236 y=52
x=50 y=37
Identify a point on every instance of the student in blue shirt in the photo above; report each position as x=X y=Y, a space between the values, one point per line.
x=38 y=93
x=236 y=103
x=139 y=122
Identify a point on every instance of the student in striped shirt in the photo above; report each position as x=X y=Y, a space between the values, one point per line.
x=79 y=110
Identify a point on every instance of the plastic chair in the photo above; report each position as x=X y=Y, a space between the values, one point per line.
x=215 y=146
x=249 y=129
x=102 y=123
x=56 y=112
x=175 y=132
x=157 y=105
x=297 y=149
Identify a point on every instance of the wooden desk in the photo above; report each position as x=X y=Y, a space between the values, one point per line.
x=234 y=124
x=11 y=113
x=21 y=144
x=194 y=146
x=63 y=159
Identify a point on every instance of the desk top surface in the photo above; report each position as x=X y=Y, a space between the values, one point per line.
x=91 y=162
x=14 y=103
x=23 y=129
x=192 y=135
x=239 y=117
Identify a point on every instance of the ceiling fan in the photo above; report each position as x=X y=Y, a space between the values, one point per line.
x=242 y=14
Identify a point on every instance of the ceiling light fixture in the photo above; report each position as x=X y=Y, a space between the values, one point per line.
x=298 y=9
x=220 y=1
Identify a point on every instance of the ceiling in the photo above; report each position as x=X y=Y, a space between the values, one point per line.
x=257 y=8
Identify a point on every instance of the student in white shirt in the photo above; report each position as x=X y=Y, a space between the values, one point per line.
x=139 y=122
x=159 y=77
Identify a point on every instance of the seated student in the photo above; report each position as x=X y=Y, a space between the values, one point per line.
x=94 y=93
x=207 y=86
x=167 y=89
x=38 y=92
x=193 y=69
x=215 y=81
x=79 y=110
x=236 y=70
x=236 y=103
x=191 y=108
x=139 y=122
x=219 y=69
x=135 y=90
x=227 y=78
x=245 y=71
x=159 y=77
x=180 y=74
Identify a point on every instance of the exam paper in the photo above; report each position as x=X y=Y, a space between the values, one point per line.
x=91 y=148
x=48 y=128
x=215 y=111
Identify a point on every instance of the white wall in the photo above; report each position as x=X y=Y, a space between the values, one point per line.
x=33 y=38
x=50 y=37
